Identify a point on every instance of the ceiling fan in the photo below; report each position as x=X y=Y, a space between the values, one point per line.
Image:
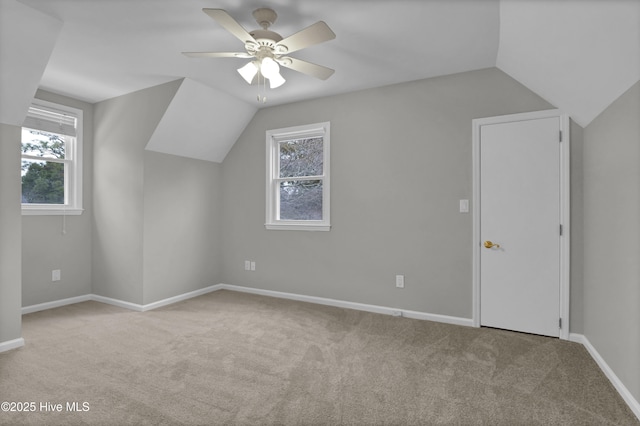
x=268 y=49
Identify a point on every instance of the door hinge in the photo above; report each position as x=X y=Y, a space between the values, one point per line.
x=560 y=229
x=560 y=136
x=559 y=322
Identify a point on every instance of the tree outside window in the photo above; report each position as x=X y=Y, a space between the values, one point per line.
x=42 y=179
x=301 y=198
x=298 y=178
x=51 y=161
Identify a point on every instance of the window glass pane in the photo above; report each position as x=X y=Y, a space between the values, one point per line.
x=42 y=182
x=42 y=144
x=301 y=200
x=301 y=157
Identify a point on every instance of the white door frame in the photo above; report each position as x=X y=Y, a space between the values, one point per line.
x=565 y=203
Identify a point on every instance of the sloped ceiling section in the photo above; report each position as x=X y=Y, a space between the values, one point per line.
x=578 y=55
x=27 y=39
x=201 y=122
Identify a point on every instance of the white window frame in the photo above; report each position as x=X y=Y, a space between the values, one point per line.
x=274 y=137
x=73 y=165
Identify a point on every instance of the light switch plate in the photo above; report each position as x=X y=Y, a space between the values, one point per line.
x=464 y=206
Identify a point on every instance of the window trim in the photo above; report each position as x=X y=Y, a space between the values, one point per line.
x=273 y=138
x=73 y=167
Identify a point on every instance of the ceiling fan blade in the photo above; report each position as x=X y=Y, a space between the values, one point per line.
x=243 y=55
x=223 y=18
x=313 y=34
x=305 y=67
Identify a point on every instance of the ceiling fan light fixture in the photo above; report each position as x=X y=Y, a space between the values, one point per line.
x=268 y=47
x=276 y=80
x=269 y=68
x=249 y=71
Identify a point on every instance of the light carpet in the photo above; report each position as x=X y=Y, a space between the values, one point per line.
x=232 y=358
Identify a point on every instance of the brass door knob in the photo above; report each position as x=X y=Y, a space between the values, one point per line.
x=488 y=244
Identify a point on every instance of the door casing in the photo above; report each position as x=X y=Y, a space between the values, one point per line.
x=565 y=203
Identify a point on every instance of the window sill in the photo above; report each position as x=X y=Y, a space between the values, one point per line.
x=297 y=227
x=30 y=211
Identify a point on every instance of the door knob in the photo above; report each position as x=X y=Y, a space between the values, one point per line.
x=488 y=244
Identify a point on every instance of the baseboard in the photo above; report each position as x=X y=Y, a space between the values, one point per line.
x=352 y=305
x=117 y=302
x=120 y=303
x=279 y=294
x=55 y=304
x=633 y=404
x=11 y=344
x=180 y=297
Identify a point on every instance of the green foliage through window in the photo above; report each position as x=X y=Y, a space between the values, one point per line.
x=42 y=175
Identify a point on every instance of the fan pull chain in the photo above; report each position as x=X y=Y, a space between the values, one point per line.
x=258 y=97
x=264 y=90
x=262 y=97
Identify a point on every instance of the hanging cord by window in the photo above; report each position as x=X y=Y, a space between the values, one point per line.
x=64 y=209
x=64 y=221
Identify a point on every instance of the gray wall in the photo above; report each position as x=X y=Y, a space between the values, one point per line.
x=45 y=248
x=612 y=237
x=401 y=160
x=123 y=126
x=182 y=220
x=10 y=239
x=157 y=216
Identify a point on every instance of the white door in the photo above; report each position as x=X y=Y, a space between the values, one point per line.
x=520 y=220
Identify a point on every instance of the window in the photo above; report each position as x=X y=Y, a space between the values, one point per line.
x=298 y=178
x=51 y=160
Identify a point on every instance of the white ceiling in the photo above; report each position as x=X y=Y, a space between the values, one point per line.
x=189 y=113
x=19 y=80
x=580 y=55
x=111 y=47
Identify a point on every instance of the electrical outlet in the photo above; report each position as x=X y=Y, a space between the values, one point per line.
x=55 y=275
x=400 y=281
x=247 y=265
x=253 y=266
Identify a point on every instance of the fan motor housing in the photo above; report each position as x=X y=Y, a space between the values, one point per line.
x=266 y=37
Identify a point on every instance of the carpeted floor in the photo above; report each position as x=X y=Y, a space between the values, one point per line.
x=234 y=358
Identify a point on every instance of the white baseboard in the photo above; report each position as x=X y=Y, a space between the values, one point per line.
x=11 y=344
x=117 y=302
x=55 y=304
x=352 y=305
x=279 y=294
x=180 y=297
x=633 y=404
x=120 y=303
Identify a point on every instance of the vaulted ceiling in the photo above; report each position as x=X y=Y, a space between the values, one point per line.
x=580 y=55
